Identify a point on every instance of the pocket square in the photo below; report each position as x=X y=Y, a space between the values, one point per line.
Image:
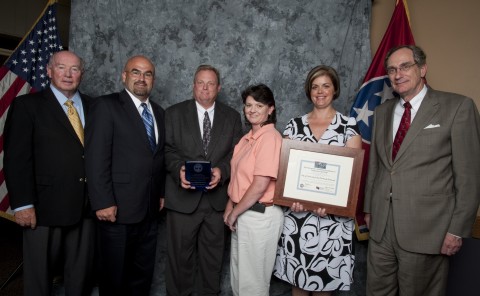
x=432 y=126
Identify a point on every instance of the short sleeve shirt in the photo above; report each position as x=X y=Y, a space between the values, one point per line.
x=255 y=155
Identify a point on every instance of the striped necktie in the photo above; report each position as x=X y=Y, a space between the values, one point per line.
x=148 y=122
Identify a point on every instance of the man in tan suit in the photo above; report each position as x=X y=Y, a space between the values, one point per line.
x=422 y=193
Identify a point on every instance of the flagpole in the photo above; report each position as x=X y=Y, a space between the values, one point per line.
x=407 y=12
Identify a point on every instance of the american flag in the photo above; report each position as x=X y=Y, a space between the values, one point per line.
x=26 y=72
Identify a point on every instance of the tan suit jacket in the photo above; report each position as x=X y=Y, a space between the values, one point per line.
x=435 y=179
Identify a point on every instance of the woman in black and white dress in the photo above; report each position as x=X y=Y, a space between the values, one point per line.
x=315 y=252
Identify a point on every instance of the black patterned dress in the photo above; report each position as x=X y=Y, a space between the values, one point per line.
x=314 y=253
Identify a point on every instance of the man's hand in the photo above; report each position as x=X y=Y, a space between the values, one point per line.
x=216 y=177
x=183 y=181
x=26 y=218
x=368 y=218
x=108 y=214
x=451 y=244
x=162 y=203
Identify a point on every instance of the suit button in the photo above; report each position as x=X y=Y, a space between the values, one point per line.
x=81 y=180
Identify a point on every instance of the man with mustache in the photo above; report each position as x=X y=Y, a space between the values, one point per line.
x=125 y=170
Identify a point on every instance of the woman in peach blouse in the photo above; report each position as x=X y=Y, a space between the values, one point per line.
x=256 y=223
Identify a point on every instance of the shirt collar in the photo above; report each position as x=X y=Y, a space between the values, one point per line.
x=62 y=98
x=202 y=110
x=136 y=101
x=250 y=136
x=416 y=101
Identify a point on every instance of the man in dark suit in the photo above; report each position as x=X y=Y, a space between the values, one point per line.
x=195 y=227
x=125 y=168
x=45 y=176
x=422 y=193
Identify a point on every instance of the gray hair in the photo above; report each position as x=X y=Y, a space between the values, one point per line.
x=419 y=55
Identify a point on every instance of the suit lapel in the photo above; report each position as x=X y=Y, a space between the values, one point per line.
x=158 y=118
x=191 y=118
x=217 y=128
x=59 y=113
x=85 y=104
x=427 y=110
x=388 y=131
x=132 y=112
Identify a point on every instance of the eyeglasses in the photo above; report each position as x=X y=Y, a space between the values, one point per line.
x=137 y=74
x=403 y=68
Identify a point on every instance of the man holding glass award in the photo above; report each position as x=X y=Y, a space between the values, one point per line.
x=200 y=137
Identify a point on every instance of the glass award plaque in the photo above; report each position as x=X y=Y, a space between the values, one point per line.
x=198 y=173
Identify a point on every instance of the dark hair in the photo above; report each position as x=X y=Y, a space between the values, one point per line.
x=318 y=71
x=262 y=94
x=207 y=68
x=419 y=55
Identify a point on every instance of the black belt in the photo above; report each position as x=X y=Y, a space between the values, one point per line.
x=260 y=207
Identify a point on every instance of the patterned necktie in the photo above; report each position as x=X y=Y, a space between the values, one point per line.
x=148 y=122
x=74 y=119
x=402 y=129
x=207 y=128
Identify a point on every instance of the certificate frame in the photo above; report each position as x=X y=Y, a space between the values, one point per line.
x=319 y=175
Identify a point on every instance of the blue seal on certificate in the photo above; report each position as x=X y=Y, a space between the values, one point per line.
x=198 y=173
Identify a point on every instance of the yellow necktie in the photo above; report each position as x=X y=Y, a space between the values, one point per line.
x=74 y=119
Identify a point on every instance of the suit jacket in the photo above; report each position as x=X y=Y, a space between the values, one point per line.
x=44 y=159
x=434 y=179
x=121 y=168
x=184 y=142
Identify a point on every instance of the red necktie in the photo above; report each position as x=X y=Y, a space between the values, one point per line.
x=402 y=129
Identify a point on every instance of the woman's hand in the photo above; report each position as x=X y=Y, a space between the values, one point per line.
x=228 y=210
x=298 y=207
x=322 y=212
x=228 y=218
x=231 y=221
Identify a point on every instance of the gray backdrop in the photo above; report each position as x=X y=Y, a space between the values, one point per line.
x=275 y=42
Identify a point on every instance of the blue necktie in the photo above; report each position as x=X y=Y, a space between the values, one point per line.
x=148 y=122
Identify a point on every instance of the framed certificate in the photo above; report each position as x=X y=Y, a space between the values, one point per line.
x=318 y=175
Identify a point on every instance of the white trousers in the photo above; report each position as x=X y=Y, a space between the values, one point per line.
x=253 y=251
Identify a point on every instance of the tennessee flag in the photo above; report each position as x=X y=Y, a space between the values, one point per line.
x=375 y=90
x=25 y=72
